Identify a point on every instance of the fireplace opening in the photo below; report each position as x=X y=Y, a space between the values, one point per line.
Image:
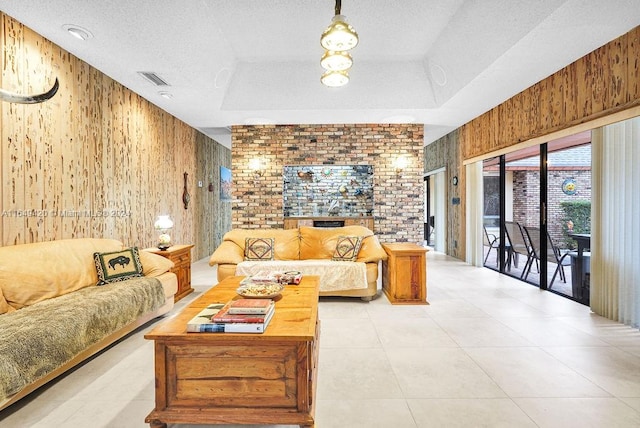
x=328 y=223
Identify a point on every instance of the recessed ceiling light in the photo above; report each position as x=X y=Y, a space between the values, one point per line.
x=439 y=75
x=167 y=95
x=222 y=77
x=78 y=32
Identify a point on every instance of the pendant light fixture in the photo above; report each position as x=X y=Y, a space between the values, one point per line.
x=334 y=79
x=337 y=39
x=336 y=61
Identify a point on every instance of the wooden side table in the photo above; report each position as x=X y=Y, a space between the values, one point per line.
x=404 y=273
x=180 y=255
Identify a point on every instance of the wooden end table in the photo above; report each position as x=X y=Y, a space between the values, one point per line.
x=180 y=255
x=404 y=273
x=234 y=378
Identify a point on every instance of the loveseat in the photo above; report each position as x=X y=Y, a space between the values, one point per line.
x=309 y=250
x=53 y=315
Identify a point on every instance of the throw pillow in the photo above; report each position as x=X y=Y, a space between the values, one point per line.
x=117 y=266
x=258 y=249
x=153 y=264
x=347 y=248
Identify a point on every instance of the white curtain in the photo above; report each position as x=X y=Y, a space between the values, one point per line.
x=615 y=222
x=475 y=206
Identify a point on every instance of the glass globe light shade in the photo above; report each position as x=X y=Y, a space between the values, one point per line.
x=334 y=79
x=339 y=36
x=163 y=223
x=336 y=61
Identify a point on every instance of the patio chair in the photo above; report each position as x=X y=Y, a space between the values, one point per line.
x=493 y=242
x=554 y=255
x=517 y=244
x=560 y=258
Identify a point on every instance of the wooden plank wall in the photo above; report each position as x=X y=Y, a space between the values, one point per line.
x=214 y=216
x=601 y=83
x=446 y=153
x=97 y=160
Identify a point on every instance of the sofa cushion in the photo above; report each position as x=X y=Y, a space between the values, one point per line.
x=320 y=242
x=286 y=244
x=116 y=266
x=347 y=248
x=258 y=248
x=30 y=273
x=153 y=264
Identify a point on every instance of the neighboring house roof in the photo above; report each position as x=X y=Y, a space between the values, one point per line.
x=578 y=157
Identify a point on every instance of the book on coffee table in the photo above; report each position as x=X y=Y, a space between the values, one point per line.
x=203 y=323
x=223 y=316
x=250 y=306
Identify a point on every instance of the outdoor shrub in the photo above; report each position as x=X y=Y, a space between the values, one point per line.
x=579 y=213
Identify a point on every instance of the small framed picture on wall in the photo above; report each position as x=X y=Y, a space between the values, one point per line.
x=225 y=184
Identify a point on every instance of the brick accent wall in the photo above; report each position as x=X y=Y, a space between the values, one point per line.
x=398 y=198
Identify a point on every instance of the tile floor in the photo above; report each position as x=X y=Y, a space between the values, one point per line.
x=559 y=286
x=489 y=351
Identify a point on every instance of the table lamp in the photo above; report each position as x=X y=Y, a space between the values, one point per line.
x=163 y=224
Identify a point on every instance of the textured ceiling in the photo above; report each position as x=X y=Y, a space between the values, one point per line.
x=436 y=62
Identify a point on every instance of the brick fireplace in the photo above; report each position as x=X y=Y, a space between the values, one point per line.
x=398 y=195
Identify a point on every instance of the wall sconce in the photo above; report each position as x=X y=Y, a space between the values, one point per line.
x=163 y=224
x=400 y=164
x=257 y=165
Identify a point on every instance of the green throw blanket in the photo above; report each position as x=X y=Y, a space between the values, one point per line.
x=40 y=338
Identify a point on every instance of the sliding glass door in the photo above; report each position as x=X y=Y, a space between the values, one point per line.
x=536 y=211
x=511 y=212
x=569 y=215
x=492 y=195
x=521 y=220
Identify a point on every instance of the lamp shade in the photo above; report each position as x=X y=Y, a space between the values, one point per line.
x=336 y=61
x=163 y=223
x=339 y=36
x=334 y=79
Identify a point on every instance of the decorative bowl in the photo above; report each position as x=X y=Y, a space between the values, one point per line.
x=260 y=291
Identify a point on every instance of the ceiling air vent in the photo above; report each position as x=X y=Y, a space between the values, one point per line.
x=153 y=78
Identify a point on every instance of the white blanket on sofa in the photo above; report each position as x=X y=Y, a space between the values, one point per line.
x=333 y=275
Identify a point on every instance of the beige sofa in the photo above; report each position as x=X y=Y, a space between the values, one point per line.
x=53 y=316
x=309 y=250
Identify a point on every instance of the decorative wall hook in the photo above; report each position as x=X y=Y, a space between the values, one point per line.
x=12 y=97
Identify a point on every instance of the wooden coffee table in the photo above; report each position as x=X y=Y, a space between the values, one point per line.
x=225 y=378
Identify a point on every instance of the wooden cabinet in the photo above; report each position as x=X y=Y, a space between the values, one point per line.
x=180 y=255
x=294 y=222
x=404 y=273
x=359 y=221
